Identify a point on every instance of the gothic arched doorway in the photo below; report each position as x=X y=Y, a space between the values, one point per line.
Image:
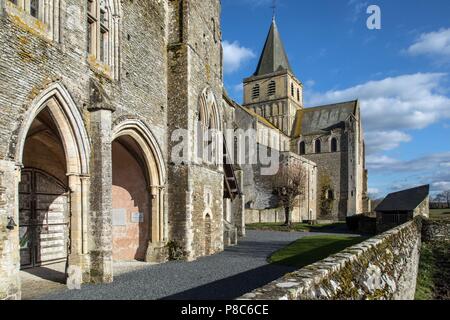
x=52 y=152
x=130 y=200
x=43 y=195
x=139 y=217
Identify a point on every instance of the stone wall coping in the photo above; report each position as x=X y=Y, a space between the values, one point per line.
x=293 y=284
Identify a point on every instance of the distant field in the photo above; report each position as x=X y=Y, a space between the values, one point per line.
x=440 y=213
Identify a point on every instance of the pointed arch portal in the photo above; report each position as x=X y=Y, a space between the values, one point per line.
x=138 y=192
x=53 y=155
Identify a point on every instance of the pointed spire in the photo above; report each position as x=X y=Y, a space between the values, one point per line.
x=274 y=9
x=273 y=57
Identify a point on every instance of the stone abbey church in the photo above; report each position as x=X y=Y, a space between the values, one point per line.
x=92 y=93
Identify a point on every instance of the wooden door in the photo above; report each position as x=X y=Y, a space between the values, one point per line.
x=43 y=219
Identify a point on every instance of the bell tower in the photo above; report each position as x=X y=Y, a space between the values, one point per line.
x=273 y=91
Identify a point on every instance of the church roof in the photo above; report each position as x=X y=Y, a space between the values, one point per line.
x=323 y=118
x=273 y=57
x=406 y=200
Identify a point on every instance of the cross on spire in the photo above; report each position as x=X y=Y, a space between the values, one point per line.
x=274 y=8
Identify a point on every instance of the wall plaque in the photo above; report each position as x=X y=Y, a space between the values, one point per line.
x=119 y=217
x=137 y=217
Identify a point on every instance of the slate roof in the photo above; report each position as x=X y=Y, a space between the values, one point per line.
x=273 y=57
x=321 y=119
x=406 y=200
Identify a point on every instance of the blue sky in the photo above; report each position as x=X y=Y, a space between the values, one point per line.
x=401 y=74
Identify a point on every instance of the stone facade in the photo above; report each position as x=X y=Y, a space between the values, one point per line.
x=139 y=85
x=148 y=76
x=331 y=137
x=382 y=268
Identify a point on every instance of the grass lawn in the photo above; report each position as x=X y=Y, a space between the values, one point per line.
x=425 y=281
x=309 y=250
x=297 y=227
x=433 y=281
x=440 y=214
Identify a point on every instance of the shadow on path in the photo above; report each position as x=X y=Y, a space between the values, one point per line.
x=235 y=286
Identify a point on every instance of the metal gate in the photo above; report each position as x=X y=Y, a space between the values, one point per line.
x=43 y=219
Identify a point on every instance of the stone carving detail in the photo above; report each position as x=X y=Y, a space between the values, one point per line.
x=99 y=99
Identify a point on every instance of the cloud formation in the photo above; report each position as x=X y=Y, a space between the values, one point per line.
x=393 y=105
x=412 y=101
x=234 y=55
x=430 y=169
x=438 y=162
x=435 y=43
x=384 y=140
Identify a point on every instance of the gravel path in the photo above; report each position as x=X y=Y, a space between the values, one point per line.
x=226 y=275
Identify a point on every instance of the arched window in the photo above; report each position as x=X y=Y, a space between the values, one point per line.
x=298 y=95
x=318 y=146
x=292 y=89
x=334 y=145
x=47 y=11
x=208 y=128
x=330 y=194
x=214 y=30
x=256 y=91
x=32 y=7
x=102 y=32
x=272 y=88
x=302 y=148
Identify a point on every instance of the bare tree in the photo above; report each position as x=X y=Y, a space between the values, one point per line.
x=443 y=198
x=288 y=185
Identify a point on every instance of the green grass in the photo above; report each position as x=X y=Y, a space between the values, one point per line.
x=433 y=281
x=297 y=227
x=440 y=214
x=309 y=250
x=427 y=270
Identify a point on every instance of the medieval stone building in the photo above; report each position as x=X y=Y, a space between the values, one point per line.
x=330 y=137
x=93 y=94
x=102 y=103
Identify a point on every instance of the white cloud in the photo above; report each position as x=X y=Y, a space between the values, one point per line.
x=358 y=8
x=373 y=192
x=380 y=163
x=239 y=88
x=384 y=140
x=435 y=43
x=310 y=83
x=431 y=169
x=394 y=104
x=429 y=163
x=441 y=186
x=235 y=55
x=405 y=102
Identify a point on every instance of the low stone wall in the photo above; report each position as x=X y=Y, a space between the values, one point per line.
x=383 y=267
x=270 y=216
x=436 y=231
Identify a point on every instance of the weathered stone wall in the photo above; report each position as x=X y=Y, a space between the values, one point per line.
x=383 y=267
x=436 y=230
x=194 y=64
x=333 y=174
x=275 y=215
x=9 y=253
x=169 y=52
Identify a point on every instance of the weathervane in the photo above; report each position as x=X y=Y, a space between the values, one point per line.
x=274 y=8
